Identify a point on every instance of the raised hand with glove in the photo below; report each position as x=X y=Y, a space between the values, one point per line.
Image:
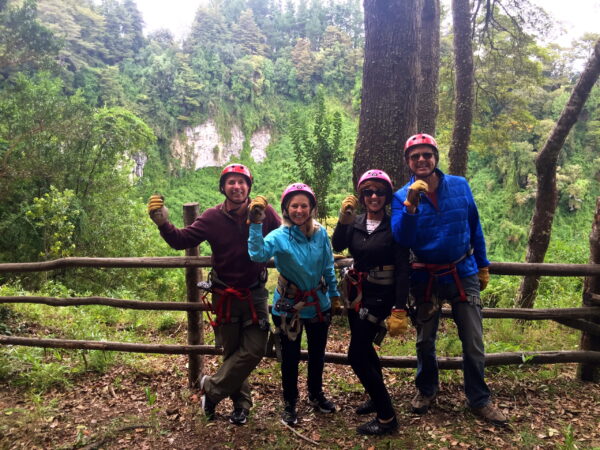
x=397 y=322
x=348 y=210
x=256 y=209
x=157 y=210
x=484 y=277
x=413 y=195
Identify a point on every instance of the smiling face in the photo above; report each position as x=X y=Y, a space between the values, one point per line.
x=421 y=161
x=298 y=209
x=372 y=194
x=236 y=188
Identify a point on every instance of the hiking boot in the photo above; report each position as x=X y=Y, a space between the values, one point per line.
x=377 y=428
x=289 y=416
x=321 y=403
x=420 y=403
x=239 y=416
x=207 y=404
x=492 y=414
x=365 y=408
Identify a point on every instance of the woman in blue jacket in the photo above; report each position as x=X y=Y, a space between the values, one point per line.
x=305 y=290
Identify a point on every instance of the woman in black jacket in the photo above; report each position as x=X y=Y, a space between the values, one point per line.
x=376 y=287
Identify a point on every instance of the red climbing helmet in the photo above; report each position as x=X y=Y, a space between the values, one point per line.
x=381 y=177
x=298 y=188
x=421 y=139
x=239 y=169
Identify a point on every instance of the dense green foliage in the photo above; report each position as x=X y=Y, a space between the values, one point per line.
x=83 y=91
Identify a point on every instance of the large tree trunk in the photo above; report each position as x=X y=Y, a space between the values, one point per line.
x=547 y=197
x=388 y=114
x=463 y=108
x=430 y=67
x=591 y=297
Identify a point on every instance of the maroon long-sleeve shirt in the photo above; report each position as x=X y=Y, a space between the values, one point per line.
x=228 y=238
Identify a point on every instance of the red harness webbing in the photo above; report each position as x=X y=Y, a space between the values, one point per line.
x=303 y=295
x=356 y=279
x=225 y=297
x=433 y=270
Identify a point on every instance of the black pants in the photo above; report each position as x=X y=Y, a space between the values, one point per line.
x=366 y=365
x=316 y=336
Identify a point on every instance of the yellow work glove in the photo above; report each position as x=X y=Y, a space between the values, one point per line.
x=348 y=210
x=484 y=277
x=157 y=210
x=256 y=209
x=336 y=304
x=412 y=197
x=397 y=323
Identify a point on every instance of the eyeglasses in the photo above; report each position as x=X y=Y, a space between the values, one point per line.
x=370 y=192
x=416 y=156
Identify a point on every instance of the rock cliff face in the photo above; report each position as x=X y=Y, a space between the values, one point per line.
x=202 y=146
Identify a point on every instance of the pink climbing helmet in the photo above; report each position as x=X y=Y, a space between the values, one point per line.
x=298 y=188
x=381 y=177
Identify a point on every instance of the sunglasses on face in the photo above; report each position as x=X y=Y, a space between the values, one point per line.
x=370 y=192
x=416 y=156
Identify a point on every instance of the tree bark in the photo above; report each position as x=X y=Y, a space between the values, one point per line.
x=546 y=198
x=591 y=288
x=427 y=105
x=464 y=79
x=388 y=114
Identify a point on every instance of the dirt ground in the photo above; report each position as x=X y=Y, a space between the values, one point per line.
x=149 y=406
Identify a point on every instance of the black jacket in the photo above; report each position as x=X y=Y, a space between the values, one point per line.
x=373 y=250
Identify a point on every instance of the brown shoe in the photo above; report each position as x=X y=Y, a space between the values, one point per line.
x=492 y=414
x=420 y=403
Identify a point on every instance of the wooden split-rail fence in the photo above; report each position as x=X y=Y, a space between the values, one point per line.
x=585 y=318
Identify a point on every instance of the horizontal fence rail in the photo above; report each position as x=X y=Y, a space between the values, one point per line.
x=173 y=262
x=578 y=318
x=491 y=359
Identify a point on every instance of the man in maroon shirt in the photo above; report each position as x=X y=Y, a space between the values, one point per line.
x=239 y=294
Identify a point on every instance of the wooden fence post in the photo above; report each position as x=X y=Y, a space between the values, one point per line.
x=195 y=329
x=591 y=296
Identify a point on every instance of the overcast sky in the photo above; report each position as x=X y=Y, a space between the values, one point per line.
x=576 y=16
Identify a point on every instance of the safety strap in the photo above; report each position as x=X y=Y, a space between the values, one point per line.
x=353 y=278
x=222 y=309
x=290 y=290
x=439 y=270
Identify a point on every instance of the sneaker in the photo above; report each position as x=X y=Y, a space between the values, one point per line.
x=289 y=416
x=239 y=416
x=207 y=404
x=492 y=414
x=365 y=408
x=420 y=403
x=377 y=428
x=321 y=403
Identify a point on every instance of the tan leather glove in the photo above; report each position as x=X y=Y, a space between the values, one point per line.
x=157 y=210
x=256 y=209
x=484 y=277
x=397 y=323
x=336 y=304
x=412 y=198
x=348 y=210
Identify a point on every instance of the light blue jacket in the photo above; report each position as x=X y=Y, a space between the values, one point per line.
x=443 y=235
x=299 y=259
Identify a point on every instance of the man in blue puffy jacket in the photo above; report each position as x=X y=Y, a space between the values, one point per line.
x=435 y=215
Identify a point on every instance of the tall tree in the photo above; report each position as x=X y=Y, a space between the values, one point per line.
x=463 y=107
x=546 y=197
x=430 y=66
x=388 y=113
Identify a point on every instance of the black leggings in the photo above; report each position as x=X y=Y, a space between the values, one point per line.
x=316 y=336
x=366 y=365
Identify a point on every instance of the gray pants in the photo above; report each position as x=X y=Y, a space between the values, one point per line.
x=244 y=345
